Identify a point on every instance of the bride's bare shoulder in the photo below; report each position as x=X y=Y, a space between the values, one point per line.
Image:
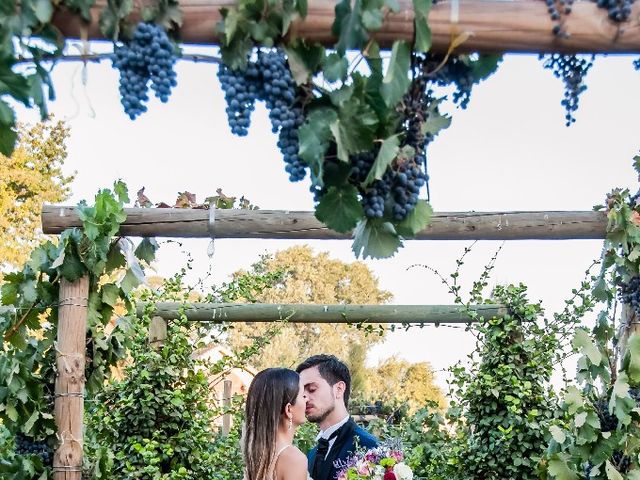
x=292 y=464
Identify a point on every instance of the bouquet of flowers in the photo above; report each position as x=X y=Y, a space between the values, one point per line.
x=385 y=462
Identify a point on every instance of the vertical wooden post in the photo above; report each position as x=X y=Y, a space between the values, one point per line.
x=157 y=332
x=69 y=391
x=226 y=403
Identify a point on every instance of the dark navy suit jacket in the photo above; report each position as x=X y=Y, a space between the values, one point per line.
x=348 y=440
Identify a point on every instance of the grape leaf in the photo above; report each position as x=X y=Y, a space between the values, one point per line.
x=375 y=239
x=386 y=155
x=335 y=67
x=347 y=26
x=422 y=42
x=314 y=136
x=416 y=221
x=559 y=469
x=340 y=209
x=396 y=81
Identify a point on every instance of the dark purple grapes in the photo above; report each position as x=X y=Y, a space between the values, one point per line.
x=28 y=446
x=572 y=70
x=629 y=294
x=618 y=10
x=147 y=60
x=267 y=78
x=406 y=184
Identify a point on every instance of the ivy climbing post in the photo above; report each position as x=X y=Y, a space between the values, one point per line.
x=70 y=379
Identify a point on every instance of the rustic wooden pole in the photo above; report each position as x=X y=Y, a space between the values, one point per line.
x=306 y=313
x=266 y=224
x=69 y=388
x=226 y=404
x=492 y=25
x=157 y=332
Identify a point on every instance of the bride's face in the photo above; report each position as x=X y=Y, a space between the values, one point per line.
x=298 y=409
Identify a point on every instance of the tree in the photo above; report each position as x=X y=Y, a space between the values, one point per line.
x=311 y=278
x=396 y=380
x=30 y=177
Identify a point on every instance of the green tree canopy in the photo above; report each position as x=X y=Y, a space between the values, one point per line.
x=396 y=380
x=30 y=177
x=312 y=278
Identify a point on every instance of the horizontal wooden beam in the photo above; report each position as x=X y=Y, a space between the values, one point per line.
x=305 y=313
x=311 y=313
x=492 y=26
x=276 y=224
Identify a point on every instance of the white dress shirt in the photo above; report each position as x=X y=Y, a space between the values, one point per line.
x=329 y=430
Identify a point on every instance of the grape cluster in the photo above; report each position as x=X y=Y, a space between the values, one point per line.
x=621 y=461
x=148 y=58
x=619 y=10
x=267 y=78
x=566 y=6
x=374 y=196
x=636 y=64
x=572 y=69
x=608 y=422
x=27 y=446
x=407 y=181
x=629 y=294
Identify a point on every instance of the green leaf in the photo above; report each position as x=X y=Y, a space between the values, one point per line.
x=486 y=65
x=304 y=60
x=110 y=294
x=355 y=129
x=335 y=67
x=435 y=122
x=633 y=351
x=14 y=84
x=559 y=469
x=302 y=8
x=388 y=152
x=422 y=42
x=416 y=221
x=557 y=433
x=129 y=282
x=146 y=250
x=397 y=81
x=7 y=115
x=43 y=10
x=347 y=26
x=28 y=425
x=584 y=343
x=612 y=473
x=340 y=209
x=314 y=136
x=12 y=413
x=372 y=19
x=375 y=239
x=8 y=138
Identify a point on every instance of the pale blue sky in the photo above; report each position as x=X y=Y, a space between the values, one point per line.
x=509 y=150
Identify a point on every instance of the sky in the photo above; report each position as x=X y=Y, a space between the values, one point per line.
x=508 y=151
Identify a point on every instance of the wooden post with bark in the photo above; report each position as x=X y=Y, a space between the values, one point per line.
x=226 y=404
x=70 y=380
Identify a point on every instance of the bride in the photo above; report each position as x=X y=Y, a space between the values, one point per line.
x=275 y=408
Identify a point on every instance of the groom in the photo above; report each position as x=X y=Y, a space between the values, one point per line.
x=327 y=385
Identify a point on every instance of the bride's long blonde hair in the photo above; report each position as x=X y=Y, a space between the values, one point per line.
x=270 y=392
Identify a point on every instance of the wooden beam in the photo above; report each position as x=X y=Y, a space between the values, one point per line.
x=69 y=387
x=493 y=26
x=275 y=224
x=311 y=313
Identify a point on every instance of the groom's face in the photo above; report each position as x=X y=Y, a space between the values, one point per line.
x=320 y=395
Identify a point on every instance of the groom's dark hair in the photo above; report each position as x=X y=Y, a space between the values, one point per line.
x=332 y=370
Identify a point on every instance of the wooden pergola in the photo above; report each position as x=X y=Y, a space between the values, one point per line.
x=490 y=25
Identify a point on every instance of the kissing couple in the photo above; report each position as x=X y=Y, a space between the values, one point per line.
x=280 y=400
